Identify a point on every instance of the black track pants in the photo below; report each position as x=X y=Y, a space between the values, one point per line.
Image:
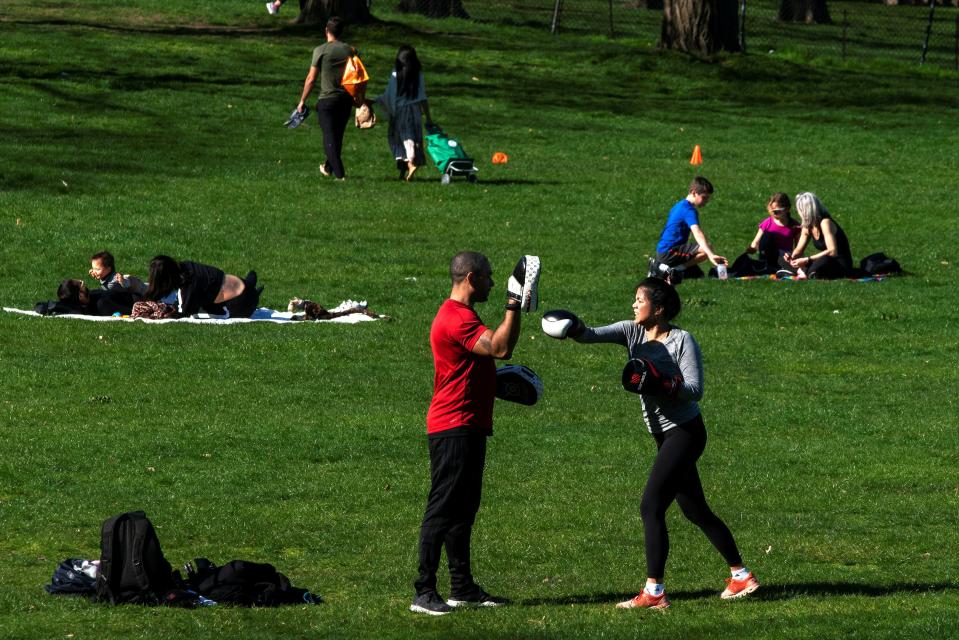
x=334 y=114
x=674 y=477
x=456 y=474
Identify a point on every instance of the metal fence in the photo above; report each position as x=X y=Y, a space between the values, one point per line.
x=859 y=30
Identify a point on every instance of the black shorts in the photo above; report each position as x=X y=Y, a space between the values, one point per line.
x=679 y=254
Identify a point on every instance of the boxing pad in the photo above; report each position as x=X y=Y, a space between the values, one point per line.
x=517 y=383
x=523 y=284
x=562 y=324
x=641 y=376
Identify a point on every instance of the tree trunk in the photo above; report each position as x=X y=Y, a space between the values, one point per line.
x=700 y=26
x=808 y=11
x=317 y=12
x=435 y=8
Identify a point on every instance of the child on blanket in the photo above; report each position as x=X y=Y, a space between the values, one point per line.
x=103 y=268
x=776 y=236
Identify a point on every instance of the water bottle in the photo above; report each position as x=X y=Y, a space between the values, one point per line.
x=721 y=271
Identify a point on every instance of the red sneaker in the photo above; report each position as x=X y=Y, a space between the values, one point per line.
x=739 y=588
x=645 y=601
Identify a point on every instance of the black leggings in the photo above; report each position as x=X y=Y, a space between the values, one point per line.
x=769 y=253
x=247 y=302
x=825 y=268
x=334 y=114
x=674 y=477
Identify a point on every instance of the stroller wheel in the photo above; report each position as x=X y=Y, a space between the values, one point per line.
x=471 y=178
x=445 y=179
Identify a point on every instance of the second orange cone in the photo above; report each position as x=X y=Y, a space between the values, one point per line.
x=697 y=158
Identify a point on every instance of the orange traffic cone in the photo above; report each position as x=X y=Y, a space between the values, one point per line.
x=697 y=158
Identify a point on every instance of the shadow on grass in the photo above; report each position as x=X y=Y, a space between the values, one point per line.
x=173 y=30
x=826 y=589
x=593 y=598
x=490 y=182
x=767 y=593
x=507 y=182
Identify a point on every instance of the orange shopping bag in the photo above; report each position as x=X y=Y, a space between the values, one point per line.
x=355 y=79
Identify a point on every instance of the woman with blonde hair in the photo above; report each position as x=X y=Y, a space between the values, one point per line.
x=832 y=258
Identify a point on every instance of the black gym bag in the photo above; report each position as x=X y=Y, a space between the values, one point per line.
x=248 y=584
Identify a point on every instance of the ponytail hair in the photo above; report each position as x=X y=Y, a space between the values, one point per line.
x=662 y=295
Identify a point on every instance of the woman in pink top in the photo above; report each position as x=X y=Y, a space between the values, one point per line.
x=777 y=234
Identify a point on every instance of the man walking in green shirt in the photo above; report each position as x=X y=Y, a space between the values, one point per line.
x=334 y=105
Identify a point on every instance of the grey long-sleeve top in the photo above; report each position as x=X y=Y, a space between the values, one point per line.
x=678 y=354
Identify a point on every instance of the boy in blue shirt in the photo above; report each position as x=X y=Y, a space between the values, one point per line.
x=676 y=256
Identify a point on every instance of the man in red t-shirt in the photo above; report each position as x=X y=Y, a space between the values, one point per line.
x=459 y=420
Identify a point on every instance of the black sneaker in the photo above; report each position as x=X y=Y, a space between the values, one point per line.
x=478 y=598
x=431 y=604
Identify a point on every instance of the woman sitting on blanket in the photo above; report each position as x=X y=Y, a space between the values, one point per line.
x=192 y=287
x=74 y=297
x=832 y=258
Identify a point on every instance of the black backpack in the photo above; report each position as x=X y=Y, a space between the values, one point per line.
x=132 y=566
x=248 y=584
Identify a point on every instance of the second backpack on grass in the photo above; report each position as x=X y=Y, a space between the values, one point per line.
x=132 y=567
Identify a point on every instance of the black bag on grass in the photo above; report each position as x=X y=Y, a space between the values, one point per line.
x=69 y=579
x=249 y=584
x=132 y=566
x=880 y=264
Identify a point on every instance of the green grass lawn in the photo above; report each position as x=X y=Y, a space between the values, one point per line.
x=154 y=127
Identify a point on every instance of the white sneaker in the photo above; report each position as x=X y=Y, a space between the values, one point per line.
x=272 y=9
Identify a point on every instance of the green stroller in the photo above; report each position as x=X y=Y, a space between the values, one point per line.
x=448 y=155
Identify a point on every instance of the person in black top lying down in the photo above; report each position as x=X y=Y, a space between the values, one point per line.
x=199 y=287
x=74 y=297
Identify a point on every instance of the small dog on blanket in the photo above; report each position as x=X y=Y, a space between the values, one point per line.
x=315 y=311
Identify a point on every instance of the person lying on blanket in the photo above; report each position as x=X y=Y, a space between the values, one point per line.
x=192 y=287
x=74 y=297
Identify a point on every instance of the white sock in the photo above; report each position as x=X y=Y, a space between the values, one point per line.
x=655 y=588
x=740 y=574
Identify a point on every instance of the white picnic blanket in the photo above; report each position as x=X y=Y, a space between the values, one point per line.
x=260 y=315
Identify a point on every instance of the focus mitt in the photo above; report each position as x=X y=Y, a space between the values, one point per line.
x=641 y=376
x=517 y=383
x=523 y=284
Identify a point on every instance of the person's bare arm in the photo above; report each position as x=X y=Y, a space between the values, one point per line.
x=703 y=243
x=307 y=88
x=796 y=255
x=500 y=343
